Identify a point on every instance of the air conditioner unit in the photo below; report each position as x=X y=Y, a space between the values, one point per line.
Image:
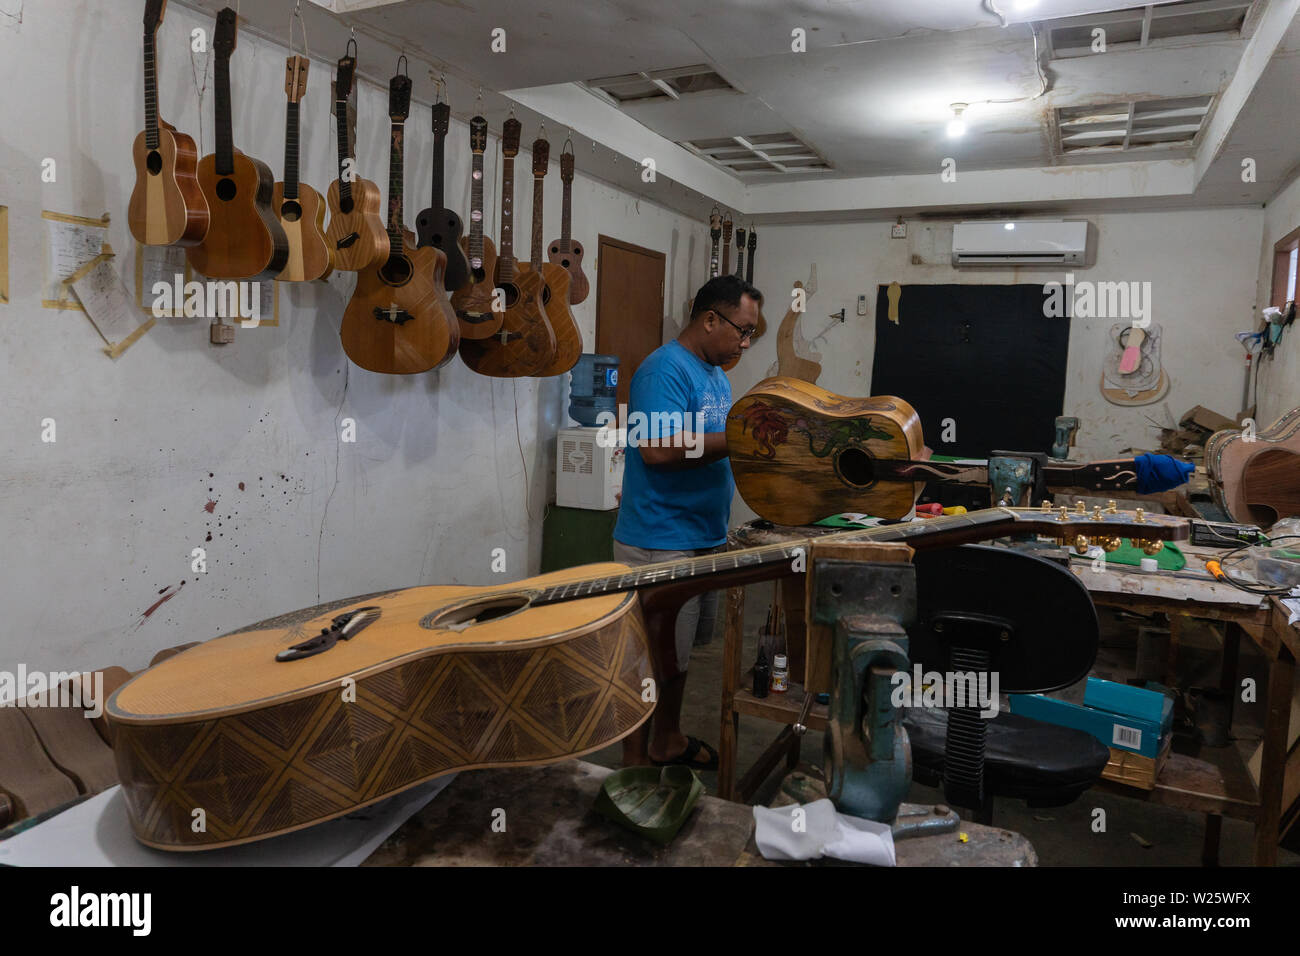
x=589 y=467
x=1013 y=243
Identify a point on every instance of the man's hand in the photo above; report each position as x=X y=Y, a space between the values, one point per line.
x=684 y=450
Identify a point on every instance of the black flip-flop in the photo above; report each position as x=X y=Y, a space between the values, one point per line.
x=687 y=757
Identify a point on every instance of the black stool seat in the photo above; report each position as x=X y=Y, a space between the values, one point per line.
x=1043 y=764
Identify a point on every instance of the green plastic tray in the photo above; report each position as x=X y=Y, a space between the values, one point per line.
x=651 y=801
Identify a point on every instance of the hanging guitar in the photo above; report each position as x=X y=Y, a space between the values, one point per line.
x=740 y=254
x=255 y=726
x=715 y=234
x=1256 y=479
x=167 y=205
x=525 y=343
x=749 y=277
x=399 y=320
x=726 y=246
x=244 y=238
x=356 y=236
x=437 y=225
x=565 y=251
x=299 y=208
x=800 y=453
x=555 y=295
x=473 y=303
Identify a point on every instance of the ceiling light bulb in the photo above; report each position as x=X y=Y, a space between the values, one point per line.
x=957 y=126
x=1026 y=4
x=1008 y=225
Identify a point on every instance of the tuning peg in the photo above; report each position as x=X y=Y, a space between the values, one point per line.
x=1152 y=547
x=1110 y=544
x=1063 y=513
x=1045 y=507
x=1096 y=513
x=1141 y=515
x=1080 y=544
x=1110 y=507
x=1080 y=507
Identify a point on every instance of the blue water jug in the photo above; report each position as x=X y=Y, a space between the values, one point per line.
x=593 y=388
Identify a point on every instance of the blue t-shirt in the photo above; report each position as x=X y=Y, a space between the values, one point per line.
x=675 y=509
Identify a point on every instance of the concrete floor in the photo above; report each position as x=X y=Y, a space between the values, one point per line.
x=1062 y=836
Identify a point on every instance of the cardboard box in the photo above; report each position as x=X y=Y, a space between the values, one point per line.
x=1133 y=770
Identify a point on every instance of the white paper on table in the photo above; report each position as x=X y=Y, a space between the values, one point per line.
x=96 y=832
x=70 y=243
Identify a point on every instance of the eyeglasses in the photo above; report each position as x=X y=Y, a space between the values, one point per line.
x=745 y=334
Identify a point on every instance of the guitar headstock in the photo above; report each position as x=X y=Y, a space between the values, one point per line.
x=715 y=223
x=740 y=238
x=399 y=98
x=295 y=78
x=478 y=134
x=541 y=157
x=347 y=67
x=223 y=40
x=1100 y=527
x=726 y=231
x=566 y=167
x=441 y=119
x=510 y=137
x=753 y=239
x=153 y=14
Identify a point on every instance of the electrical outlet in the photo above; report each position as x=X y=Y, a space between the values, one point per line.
x=898 y=230
x=862 y=305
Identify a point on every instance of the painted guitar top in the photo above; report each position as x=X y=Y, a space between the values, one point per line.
x=310 y=715
x=473 y=303
x=555 y=294
x=356 y=236
x=525 y=343
x=300 y=209
x=1257 y=480
x=167 y=205
x=437 y=225
x=399 y=320
x=244 y=238
x=565 y=251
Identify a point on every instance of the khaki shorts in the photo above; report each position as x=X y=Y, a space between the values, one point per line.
x=698 y=617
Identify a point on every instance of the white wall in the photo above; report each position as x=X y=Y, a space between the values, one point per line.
x=98 y=525
x=1200 y=264
x=1279 y=377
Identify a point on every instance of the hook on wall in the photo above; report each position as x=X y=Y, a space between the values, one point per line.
x=404 y=70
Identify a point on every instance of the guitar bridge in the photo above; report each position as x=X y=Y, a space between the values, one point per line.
x=347 y=241
x=475 y=318
x=342 y=628
x=395 y=315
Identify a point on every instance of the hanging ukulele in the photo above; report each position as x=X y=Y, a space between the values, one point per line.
x=299 y=208
x=437 y=225
x=473 y=303
x=564 y=251
x=356 y=235
x=715 y=233
x=726 y=247
x=167 y=206
x=555 y=295
x=399 y=320
x=526 y=343
x=740 y=254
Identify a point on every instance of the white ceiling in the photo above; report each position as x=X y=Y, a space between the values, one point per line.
x=871 y=94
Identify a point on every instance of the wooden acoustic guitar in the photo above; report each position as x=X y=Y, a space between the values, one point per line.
x=167 y=205
x=555 y=293
x=300 y=209
x=473 y=303
x=306 y=717
x=399 y=320
x=1257 y=481
x=800 y=453
x=525 y=343
x=244 y=239
x=565 y=251
x=356 y=236
x=437 y=225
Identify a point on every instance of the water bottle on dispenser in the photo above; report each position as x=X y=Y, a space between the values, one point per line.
x=589 y=458
x=594 y=388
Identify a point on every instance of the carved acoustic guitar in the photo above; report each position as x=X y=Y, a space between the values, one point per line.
x=525 y=344
x=167 y=206
x=437 y=225
x=1257 y=481
x=473 y=303
x=565 y=251
x=244 y=239
x=399 y=320
x=306 y=717
x=356 y=236
x=555 y=294
x=300 y=209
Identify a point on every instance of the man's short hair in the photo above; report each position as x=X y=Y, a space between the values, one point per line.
x=722 y=290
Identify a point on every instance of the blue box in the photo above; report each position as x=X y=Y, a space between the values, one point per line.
x=1148 y=705
x=1119 y=731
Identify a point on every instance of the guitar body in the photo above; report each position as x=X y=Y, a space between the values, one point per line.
x=356 y=235
x=268 y=747
x=303 y=222
x=800 y=453
x=167 y=206
x=1257 y=482
x=568 y=255
x=568 y=337
x=398 y=321
x=441 y=229
x=244 y=239
x=473 y=303
x=530 y=344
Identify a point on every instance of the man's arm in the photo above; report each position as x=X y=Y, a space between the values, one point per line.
x=684 y=450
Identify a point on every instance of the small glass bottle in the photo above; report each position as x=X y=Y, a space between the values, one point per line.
x=762 y=675
x=780 y=674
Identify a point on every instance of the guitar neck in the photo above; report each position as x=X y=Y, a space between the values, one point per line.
x=396 y=174
x=713 y=257
x=225 y=154
x=476 y=212
x=566 y=217
x=291 y=151
x=439 y=164
x=749 y=266
x=740 y=260
x=538 y=241
x=341 y=118
x=506 y=257
x=150 y=92
x=1113 y=475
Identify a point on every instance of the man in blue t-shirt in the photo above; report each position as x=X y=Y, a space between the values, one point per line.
x=677 y=483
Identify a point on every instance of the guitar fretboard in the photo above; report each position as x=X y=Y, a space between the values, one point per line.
x=740 y=253
x=291 y=151
x=476 y=211
x=566 y=214
x=506 y=258
x=396 y=149
x=150 y=93
x=345 y=183
x=441 y=112
x=225 y=153
x=538 y=241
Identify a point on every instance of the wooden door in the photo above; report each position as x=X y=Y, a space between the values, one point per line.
x=629 y=305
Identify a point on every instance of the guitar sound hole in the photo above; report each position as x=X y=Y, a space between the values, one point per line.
x=565 y=263
x=226 y=189
x=437 y=239
x=397 y=270
x=291 y=211
x=555 y=250
x=153 y=162
x=478 y=612
x=512 y=294
x=577 y=250
x=345 y=205
x=853 y=465
x=546 y=294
